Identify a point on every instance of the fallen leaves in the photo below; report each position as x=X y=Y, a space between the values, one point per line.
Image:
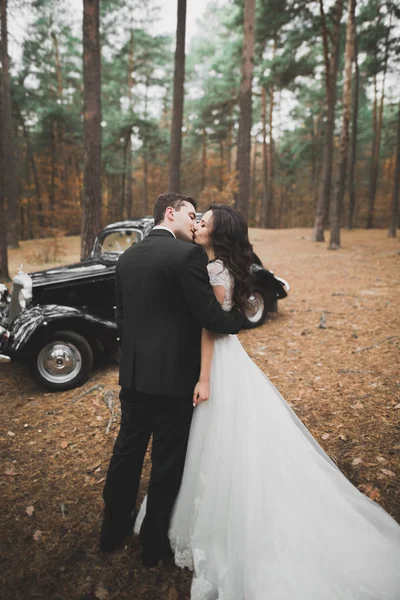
x=172 y=594
x=356 y=461
x=101 y=593
x=358 y=406
x=53 y=479
x=370 y=491
x=64 y=444
x=37 y=536
x=388 y=472
x=10 y=470
x=94 y=467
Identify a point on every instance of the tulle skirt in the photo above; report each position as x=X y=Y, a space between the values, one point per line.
x=263 y=513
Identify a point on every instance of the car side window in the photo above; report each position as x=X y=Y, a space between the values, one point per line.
x=116 y=242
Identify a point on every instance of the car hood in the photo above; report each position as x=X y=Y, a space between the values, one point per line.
x=82 y=270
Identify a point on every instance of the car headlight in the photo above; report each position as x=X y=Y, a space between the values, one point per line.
x=24 y=297
x=284 y=283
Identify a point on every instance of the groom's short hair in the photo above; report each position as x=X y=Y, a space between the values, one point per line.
x=170 y=199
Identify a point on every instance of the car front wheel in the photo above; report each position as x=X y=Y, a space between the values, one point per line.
x=62 y=360
x=256 y=312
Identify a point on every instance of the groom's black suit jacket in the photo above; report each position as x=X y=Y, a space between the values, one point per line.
x=164 y=298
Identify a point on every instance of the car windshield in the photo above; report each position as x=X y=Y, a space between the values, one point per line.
x=116 y=242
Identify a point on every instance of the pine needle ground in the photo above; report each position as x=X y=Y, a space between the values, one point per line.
x=332 y=351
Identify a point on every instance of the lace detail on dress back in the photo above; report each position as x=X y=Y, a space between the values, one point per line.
x=220 y=275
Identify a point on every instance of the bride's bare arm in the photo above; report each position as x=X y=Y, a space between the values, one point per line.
x=202 y=390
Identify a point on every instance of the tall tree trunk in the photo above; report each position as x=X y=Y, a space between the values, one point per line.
x=264 y=204
x=229 y=149
x=282 y=195
x=129 y=176
x=92 y=125
x=245 y=107
x=354 y=126
x=53 y=174
x=145 y=181
x=59 y=129
x=10 y=176
x=177 y=109
x=32 y=161
x=344 y=135
x=221 y=166
x=270 y=160
x=29 y=230
x=253 y=181
x=78 y=178
x=396 y=184
x=204 y=161
x=331 y=69
x=314 y=156
x=22 y=221
x=373 y=148
x=146 y=151
x=122 y=204
x=376 y=146
x=129 y=165
x=25 y=209
x=113 y=209
x=253 y=165
x=110 y=209
x=4 y=275
x=316 y=163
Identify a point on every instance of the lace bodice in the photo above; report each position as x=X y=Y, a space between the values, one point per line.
x=220 y=275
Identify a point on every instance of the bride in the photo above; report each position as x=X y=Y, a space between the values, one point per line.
x=262 y=512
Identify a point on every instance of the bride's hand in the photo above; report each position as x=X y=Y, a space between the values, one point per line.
x=201 y=391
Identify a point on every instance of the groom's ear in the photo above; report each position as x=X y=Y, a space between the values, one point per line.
x=169 y=213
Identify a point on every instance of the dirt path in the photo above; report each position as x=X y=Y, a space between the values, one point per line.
x=342 y=380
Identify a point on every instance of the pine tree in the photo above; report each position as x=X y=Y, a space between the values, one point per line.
x=4 y=276
x=396 y=184
x=331 y=58
x=245 y=107
x=177 y=110
x=9 y=162
x=344 y=135
x=92 y=125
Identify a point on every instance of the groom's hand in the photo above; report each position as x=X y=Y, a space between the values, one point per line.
x=201 y=391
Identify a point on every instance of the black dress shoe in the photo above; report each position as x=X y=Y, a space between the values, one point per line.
x=115 y=533
x=151 y=561
x=111 y=545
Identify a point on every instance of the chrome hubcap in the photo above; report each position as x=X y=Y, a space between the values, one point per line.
x=59 y=362
x=256 y=308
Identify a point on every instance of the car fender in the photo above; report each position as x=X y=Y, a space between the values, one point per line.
x=267 y=281
x=29 y=321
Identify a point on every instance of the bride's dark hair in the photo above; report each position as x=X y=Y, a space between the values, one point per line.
x=230 y=242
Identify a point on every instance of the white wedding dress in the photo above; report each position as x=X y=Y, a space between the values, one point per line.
x=263 y=513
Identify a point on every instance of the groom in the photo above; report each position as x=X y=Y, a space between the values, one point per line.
x=163 y=300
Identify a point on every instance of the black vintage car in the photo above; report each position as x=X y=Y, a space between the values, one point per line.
x=61 y=320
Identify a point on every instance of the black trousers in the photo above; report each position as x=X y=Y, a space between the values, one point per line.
x=168 y=418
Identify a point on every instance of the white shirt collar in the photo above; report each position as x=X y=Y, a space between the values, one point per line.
x=162 y=227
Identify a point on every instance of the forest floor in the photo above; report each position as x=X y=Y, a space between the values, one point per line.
x=332 y=351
